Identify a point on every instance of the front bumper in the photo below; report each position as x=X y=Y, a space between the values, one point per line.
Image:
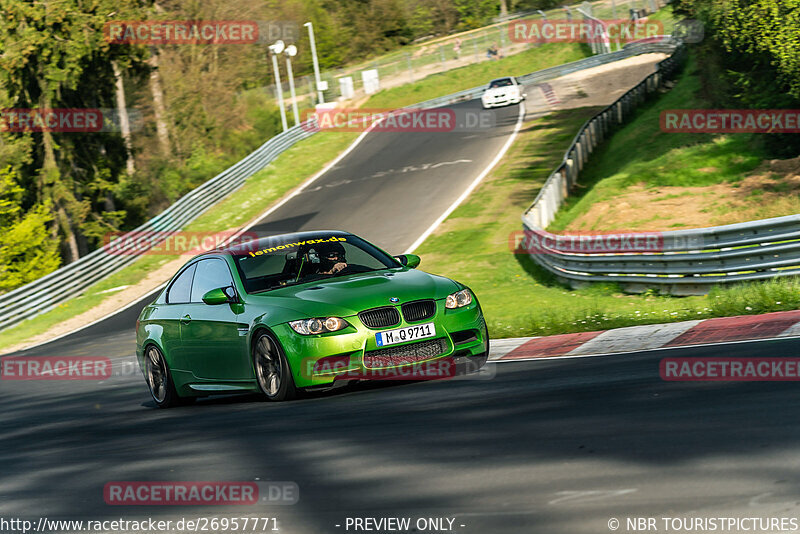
x=461 y=332
x=505 y=100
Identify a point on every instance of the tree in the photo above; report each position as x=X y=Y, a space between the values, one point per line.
x=26 y=251
x=54 y=56
x=750 y=57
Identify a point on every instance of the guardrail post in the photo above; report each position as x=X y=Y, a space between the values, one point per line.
x=536 y=216
x=569 y=170
x=603 y=125
x=552 y=204
x=587 y=141
x=563 y=187
x=544 y=217
x=587 y=144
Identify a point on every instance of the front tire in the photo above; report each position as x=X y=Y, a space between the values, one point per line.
x=159 y=379
x=273 y=374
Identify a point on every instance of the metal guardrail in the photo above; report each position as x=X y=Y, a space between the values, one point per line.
x=687 y=261
x=71 y=280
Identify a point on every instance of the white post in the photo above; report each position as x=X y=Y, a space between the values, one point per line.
x=279 y=89
x=320 y=97
x=290 y=74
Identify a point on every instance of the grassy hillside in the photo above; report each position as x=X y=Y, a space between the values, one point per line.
x=641 y=155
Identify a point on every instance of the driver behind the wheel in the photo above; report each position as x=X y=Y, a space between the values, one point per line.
x=331 y=258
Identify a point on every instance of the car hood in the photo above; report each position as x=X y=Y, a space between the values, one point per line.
x=351 y=294
x=498 y=91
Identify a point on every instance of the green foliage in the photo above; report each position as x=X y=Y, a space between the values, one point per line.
x=750 y=57
x=26 y=251
x=476 y=13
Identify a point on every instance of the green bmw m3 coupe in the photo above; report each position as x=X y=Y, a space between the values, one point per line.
x=304 y=310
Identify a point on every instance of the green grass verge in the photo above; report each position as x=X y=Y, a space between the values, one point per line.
x=263 y=189
x=521 y=299
x=444 y=83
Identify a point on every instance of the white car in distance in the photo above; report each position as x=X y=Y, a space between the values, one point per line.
x=502 y=92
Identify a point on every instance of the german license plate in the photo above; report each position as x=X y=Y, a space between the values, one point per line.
x=407 y=333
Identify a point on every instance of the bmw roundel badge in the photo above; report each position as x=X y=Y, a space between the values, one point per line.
x=394 y=299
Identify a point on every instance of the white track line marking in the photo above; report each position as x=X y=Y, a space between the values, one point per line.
x=308 y=182
x=500 y=347
x=792 y=331
x=630 y=338
x=473 y=185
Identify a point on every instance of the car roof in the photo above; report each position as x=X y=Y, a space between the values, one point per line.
x=503 y=78
x=247 y=245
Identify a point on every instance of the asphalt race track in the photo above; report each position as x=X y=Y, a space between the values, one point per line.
x=545 y=446
x=560 y=445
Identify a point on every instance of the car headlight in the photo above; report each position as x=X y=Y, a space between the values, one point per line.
x=458 y=299
x=318 y=325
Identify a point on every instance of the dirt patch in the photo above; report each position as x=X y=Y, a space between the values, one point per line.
x=598 y=86
x=601 y=86
x=772 y=190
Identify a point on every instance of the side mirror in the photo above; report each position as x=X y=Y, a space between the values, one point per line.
x=220 y=295
x=409 y=260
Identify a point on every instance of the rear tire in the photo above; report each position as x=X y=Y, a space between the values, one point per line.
x=272 y=370
x=159 y=378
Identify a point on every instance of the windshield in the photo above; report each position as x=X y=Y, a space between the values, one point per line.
x=504 y=82
x=284 y=262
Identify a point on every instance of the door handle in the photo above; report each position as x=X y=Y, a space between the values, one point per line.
x=186 y=319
